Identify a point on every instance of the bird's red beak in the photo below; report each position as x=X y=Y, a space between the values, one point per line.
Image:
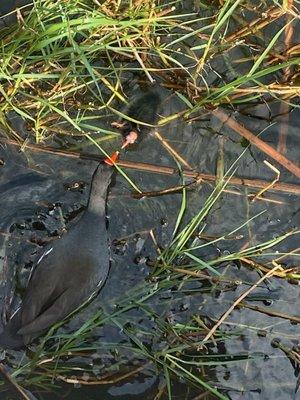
x=112 y=159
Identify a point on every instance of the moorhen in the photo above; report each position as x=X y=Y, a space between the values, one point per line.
x=71 y=270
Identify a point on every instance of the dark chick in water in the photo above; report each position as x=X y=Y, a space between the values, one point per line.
x=70 y=271
x=142 y=109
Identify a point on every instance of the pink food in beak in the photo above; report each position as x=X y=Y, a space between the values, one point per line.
x=130 y=139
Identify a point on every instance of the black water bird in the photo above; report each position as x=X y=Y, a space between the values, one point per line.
x=71 y=270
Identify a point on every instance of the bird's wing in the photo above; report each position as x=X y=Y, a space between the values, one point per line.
x=46 y=285
x=61 y=308
x=39 y=291
x=61 y=282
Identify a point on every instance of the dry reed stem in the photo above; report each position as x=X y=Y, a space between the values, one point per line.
x=280 y=273
x=250 y=197
x=203 y=276
x=174 y=189
x=272 y=313
x=237 y=301
x=171 y=150
x=276 y=88
x=161 y=169
x=112 y=380
x=140 y=61
x=271 y=184
x=264 y=147
x=284 y=107
x=16 y=387
x=251 y=28
x=295 y=251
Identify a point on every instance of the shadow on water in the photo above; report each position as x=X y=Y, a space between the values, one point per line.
x=41 y=193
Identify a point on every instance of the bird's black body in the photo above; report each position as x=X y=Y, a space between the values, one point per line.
x=70 y=270
x=142 y=108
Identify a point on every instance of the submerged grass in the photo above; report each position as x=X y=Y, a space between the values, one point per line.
x=66 y=63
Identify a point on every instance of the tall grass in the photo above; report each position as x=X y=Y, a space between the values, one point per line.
x=67 y=60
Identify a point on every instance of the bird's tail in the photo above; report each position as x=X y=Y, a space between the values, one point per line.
x=9 y=339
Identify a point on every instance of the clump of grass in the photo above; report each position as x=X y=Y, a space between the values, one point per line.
x=65 y=61
x=59 y=65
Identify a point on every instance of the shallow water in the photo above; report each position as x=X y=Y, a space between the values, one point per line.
x=38 y=198
x=34 y=187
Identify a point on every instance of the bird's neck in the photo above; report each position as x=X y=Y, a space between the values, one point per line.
x=98 y=194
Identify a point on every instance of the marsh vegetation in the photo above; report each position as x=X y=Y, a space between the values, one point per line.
x=215 y=233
